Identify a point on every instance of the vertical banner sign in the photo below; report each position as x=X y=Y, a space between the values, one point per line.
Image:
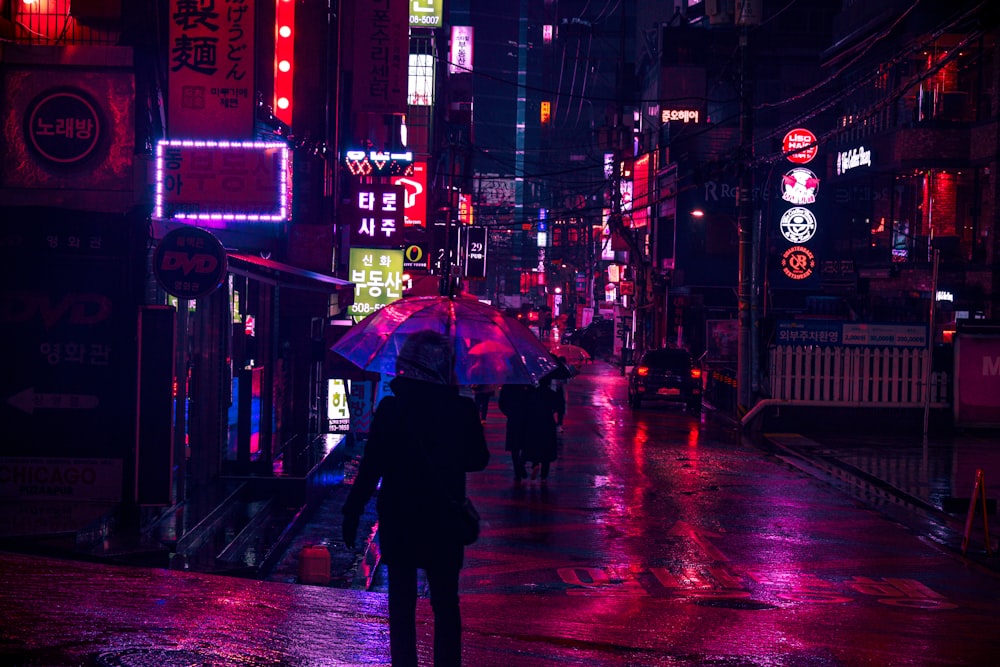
x=414 y=195
x=381 y=50
x=475 y=252
x=460 y=60
x=338 y=411
x=211 y=74
x=798 y=224
x=377 y=216
x=640 y=192
x=377 y=275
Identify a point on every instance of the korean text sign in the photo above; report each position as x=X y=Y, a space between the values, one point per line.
x=377 y=274
x=377 y=216
x=210 y=56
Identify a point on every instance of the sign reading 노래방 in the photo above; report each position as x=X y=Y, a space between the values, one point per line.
x=210 y=61
x=64 y=127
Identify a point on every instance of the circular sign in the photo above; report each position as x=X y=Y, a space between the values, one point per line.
x=63 y=126
x=799 y=145
x=797 y=224
x=798 y=262
x=799 y=186
x=189 y=263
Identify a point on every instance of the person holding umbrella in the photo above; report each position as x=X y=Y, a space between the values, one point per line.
x=423 y=440
x=531 y=427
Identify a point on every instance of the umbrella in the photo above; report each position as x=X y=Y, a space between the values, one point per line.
x=562 y=371
x=573 y=354
x=489 y=347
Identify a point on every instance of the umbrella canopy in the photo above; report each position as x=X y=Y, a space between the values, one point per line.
x=571 y=353
x=488 y=346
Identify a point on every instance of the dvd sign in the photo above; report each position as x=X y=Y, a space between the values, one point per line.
x=189 y=263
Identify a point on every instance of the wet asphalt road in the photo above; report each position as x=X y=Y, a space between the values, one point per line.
x=658 y=540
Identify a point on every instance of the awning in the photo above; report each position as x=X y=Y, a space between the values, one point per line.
x=294 y=277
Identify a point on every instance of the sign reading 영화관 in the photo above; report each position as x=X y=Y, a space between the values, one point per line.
x=855 y=334
x=377 y=274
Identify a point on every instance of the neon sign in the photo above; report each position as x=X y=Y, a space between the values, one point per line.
x=799 y=145
x=684 y=115
x=379 y=163
x=239 y=181
x=852 y=159
x=799 y=186
x=798 y=224
x=798 y=262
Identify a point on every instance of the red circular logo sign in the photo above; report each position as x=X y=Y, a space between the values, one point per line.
x=799 y=146
x=798 y=262
x=189 y=263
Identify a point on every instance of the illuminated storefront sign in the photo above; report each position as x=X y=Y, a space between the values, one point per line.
x=683 y=115
x=852 y=159
x=460 y=60
x=420 y=80
x=474 y=240
x=338 y=412
x=377 y=216
x=211 y=69
x=799 y=186
x=414 y=195
x=377 y=275
x=799 y=146
x=545 y=112
x=798 y=262
x=798 y=224
x=426 y=13
x=640 y=191
x=378 y=163
x=415 y=256
x=229 y=181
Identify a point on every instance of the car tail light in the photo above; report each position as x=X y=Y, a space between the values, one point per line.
x=695 y=373
x=642 y=371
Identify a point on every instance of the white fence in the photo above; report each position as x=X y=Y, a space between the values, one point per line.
x=862 y=376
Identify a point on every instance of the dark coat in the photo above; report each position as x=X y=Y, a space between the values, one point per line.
x=531 y=425
x=423 y=440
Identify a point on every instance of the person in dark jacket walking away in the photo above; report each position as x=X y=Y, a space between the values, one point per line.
x=483 y=394
x=531 y=427
x=423 y=440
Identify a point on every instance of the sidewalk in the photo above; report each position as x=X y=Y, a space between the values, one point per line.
x=925 y=483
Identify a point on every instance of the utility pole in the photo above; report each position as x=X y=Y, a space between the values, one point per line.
x=744 y=224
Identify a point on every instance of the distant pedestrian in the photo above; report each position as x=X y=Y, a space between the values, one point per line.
x=423 y=440
x=483 y=394
x=531 y=428
x=558 y=386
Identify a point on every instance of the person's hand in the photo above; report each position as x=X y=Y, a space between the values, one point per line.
x=350 y=529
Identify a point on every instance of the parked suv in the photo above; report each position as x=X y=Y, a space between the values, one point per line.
x=666 y=375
